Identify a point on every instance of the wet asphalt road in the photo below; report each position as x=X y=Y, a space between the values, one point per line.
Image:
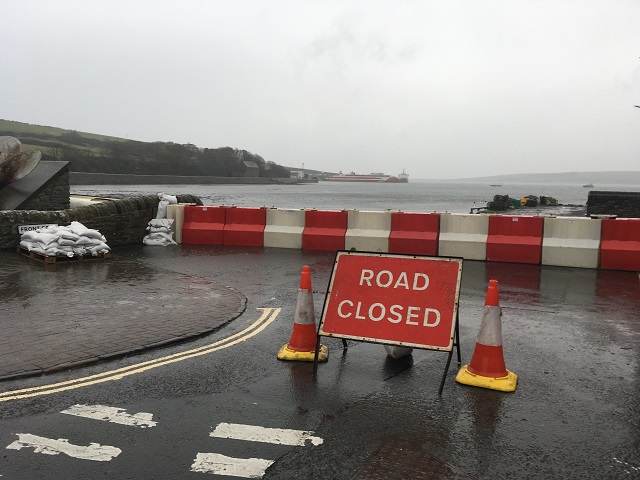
x=572 y=336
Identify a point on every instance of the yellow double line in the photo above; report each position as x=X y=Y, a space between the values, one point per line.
x=268 y=316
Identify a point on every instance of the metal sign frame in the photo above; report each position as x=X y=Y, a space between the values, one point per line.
x=455 y=319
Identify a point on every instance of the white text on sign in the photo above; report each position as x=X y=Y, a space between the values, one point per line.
x=377 y=312
x=411 y=315
x=385 y=278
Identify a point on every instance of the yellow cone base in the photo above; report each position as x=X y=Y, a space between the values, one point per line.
x=287 y=354
x=504 y=384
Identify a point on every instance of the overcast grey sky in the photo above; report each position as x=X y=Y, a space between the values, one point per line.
x=445 y=89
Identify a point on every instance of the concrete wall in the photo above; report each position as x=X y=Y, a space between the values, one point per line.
x=54 y=195
x=122 y=222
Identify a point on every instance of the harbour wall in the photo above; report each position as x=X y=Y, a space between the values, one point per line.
x=621 y=204
x=80 y=178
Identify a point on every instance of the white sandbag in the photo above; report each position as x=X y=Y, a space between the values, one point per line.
x=162 y=205
x=161 y=222
x=87 y=241
x=68 y=235
x=66 y=242
x=172 y=199
x=163 y=242
x=159 y=238
x=158 y=230
x=100 y=247
x=37 y=236
x=79 y=229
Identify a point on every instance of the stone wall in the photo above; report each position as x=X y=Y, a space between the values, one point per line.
x=622 y=204
x=54 y=195
x=122 y=222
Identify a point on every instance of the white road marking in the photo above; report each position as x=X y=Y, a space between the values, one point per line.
x=48 y=446
x=267 y=317
x=112 y=414
x=253 y=433
x=234 y=467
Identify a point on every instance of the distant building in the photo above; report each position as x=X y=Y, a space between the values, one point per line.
x=299 y=174
x=253 y=170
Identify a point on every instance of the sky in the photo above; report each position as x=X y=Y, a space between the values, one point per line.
x=439 y=88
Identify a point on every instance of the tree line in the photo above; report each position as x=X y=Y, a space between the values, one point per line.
x=121 y=156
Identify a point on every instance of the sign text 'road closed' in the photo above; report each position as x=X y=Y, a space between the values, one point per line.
x=393 y=299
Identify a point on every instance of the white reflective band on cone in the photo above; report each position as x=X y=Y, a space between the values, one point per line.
x=491 y=327
x=305 y=313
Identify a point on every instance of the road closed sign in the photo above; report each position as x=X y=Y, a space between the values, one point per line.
x=393 y=299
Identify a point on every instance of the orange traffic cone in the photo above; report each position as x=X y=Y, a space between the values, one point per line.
x=487 y=369
x=302 y=345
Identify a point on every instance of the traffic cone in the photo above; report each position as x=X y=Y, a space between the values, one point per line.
x=302 y=345
x=487 y=369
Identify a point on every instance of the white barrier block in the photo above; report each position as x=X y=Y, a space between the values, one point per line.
x=368 y=231
x=571 y=242
x=176 y=212
x=284 y=228
x=463 y=236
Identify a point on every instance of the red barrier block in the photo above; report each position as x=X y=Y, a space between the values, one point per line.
x=324 y=230
x=414 y=233
x=620 y=244
x=245 y=226
x=515 y=239
x=203 y=225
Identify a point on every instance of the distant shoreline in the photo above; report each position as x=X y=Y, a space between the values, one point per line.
x=80 y=178
x=578 y=178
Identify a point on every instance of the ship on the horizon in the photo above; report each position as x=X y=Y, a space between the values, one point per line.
x=355 y=177
x=403 y=177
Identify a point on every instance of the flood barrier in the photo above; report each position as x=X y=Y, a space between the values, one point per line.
x=203 y=225
x=324 y=230
x=571 y=242
x=515 y=239
x=284 y=228
x=368 y=231
x=560 y=241
x=244 y=226
x=463 y=236
x=620 y=245
x=414 y=233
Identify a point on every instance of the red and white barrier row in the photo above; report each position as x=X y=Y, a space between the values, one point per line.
x=563 y=241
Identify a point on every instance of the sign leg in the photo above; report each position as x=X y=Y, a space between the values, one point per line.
x=446 y=369
x=457 y=338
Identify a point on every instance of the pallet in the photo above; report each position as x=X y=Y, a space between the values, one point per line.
x=39 y=257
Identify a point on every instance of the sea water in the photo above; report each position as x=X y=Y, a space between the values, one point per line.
x=415 y=196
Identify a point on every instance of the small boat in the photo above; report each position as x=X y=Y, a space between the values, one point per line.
x=588 y=185
x=496 y=184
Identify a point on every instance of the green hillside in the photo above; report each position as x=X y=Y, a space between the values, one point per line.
x=93 y=153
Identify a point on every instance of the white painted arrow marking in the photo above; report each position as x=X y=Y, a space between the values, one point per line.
x=234 y=467
x=112 y=414
x=48 y=446
x=253 y=433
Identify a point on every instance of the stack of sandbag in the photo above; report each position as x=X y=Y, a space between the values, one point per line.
x=165 y=200
x=70 y=240
x=159 y=232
